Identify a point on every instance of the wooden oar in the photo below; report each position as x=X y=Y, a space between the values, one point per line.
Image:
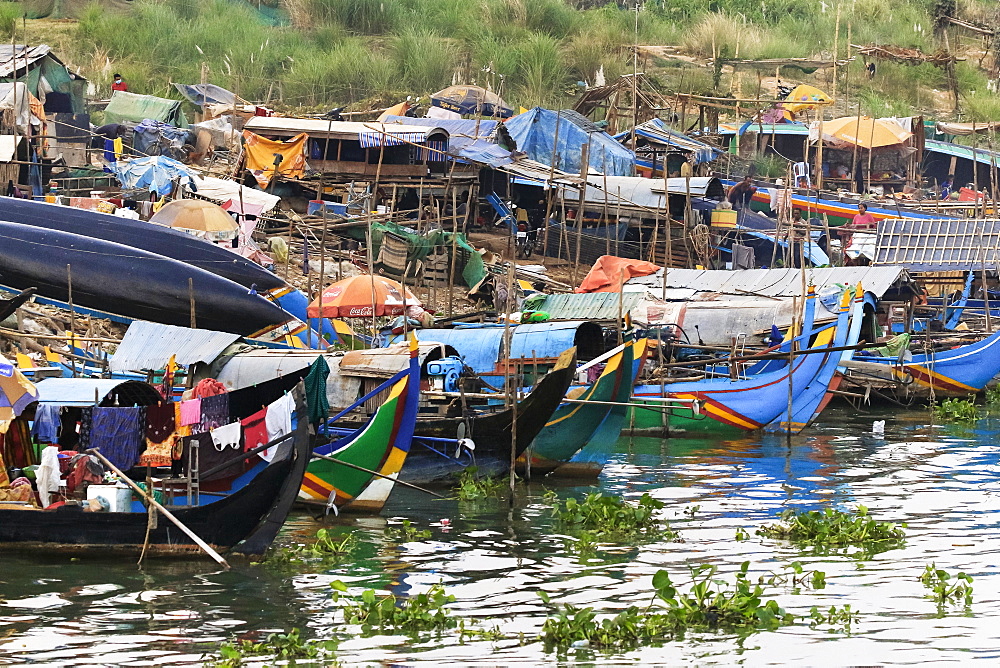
x=166 y=513
x=375 y=473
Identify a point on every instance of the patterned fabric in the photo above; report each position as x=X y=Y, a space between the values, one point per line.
x=159 y=422
x=214 y=412
x=118 y=433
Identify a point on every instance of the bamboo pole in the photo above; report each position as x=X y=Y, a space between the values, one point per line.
x=166 y=513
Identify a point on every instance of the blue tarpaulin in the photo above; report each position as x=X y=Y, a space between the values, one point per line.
x=658 y=132
x=467 y=139
x=155 y=174
x=534 y=131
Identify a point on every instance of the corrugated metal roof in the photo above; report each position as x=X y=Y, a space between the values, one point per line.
x=76 y=391
x=643 y=192
x=253 y=367
x=775 y=282
x=938 y=245
x=18 y=56
x=148 y=346
x=766 y=128
x=590 y=306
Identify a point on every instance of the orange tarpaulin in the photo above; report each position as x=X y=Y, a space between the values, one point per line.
x=260 y=156
x=609 y=273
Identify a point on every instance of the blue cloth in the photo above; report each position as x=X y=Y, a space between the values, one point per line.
x=119 y=434
x=47 y=422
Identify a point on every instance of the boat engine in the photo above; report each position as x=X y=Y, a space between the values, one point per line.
x=444 y=374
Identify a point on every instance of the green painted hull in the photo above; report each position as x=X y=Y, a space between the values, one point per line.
x=572 y=426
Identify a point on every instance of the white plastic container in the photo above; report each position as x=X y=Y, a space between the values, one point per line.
x=119 y=497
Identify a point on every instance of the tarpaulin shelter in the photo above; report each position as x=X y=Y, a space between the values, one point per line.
x=132 y=107
x=471 y=100
x=155 y=174
x=56 y=87
x=419 y=246
x=260 y=156
x=468 y=139
x=547 y=136
x=202 y=94
x=24 y=107
x=610 y=273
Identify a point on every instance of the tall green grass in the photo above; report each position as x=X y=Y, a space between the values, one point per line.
x=345 y=51
x=10 y=14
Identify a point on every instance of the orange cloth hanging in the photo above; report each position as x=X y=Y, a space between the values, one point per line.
x=260 y=156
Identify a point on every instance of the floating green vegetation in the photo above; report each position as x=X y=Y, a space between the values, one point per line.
x=946 y=588
x=708 y=604
x=797 y=575
x=474 y=487
x=406 y=533
x=326 y=547
x=426 y=611
x=993 y=395
x=956 y=410
x=831 y=527
x=838 y=619
x=612 y=518
x=284 y=647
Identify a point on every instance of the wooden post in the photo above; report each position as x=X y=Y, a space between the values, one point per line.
x=194 y=322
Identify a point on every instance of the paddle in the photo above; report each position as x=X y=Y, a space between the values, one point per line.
x=166 y=513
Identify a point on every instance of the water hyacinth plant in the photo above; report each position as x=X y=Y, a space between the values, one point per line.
x=426 y=611
x=956 y=410
x=833 y=527
x=612 y=518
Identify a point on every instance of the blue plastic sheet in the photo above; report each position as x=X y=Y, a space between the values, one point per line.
x=534 y=131
x=155 y=174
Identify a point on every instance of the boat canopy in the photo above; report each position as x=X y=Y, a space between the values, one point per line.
x=84 y=392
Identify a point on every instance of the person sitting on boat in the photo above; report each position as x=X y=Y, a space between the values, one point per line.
x=741 y=193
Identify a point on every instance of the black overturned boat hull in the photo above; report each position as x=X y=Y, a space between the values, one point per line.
x=245 y=522
x=492 y=433
x=145 y=236
x=133 y=283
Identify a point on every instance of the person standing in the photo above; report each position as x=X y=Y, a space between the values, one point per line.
x=119 y=83
x=862 y=219
x=741 y=194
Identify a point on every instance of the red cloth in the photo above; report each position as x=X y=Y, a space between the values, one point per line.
x=208 y=387
x=609 y=273
x=119 y=86
x=254 y=430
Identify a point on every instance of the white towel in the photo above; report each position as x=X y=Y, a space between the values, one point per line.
x=278 y=422
x=47 y=475
x=227 y=436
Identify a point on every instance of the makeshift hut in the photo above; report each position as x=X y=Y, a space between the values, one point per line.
x=558 y=137
x=657 y=146
x=125 y=107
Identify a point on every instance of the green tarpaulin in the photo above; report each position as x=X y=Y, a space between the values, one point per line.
x=419 y=246
x=133 y=107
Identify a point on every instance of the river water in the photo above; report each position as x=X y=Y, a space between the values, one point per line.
x=942 y=481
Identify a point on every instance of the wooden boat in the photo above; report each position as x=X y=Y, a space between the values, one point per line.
x=161 y=240
x=573 y=424
x=810 y=401
x=743 y=404
x=381 y=445
x=957 y=372
x=134 y=283
x=244 y=522
x=491 y=433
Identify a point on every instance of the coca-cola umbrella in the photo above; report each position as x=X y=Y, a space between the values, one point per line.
x=361 y=297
